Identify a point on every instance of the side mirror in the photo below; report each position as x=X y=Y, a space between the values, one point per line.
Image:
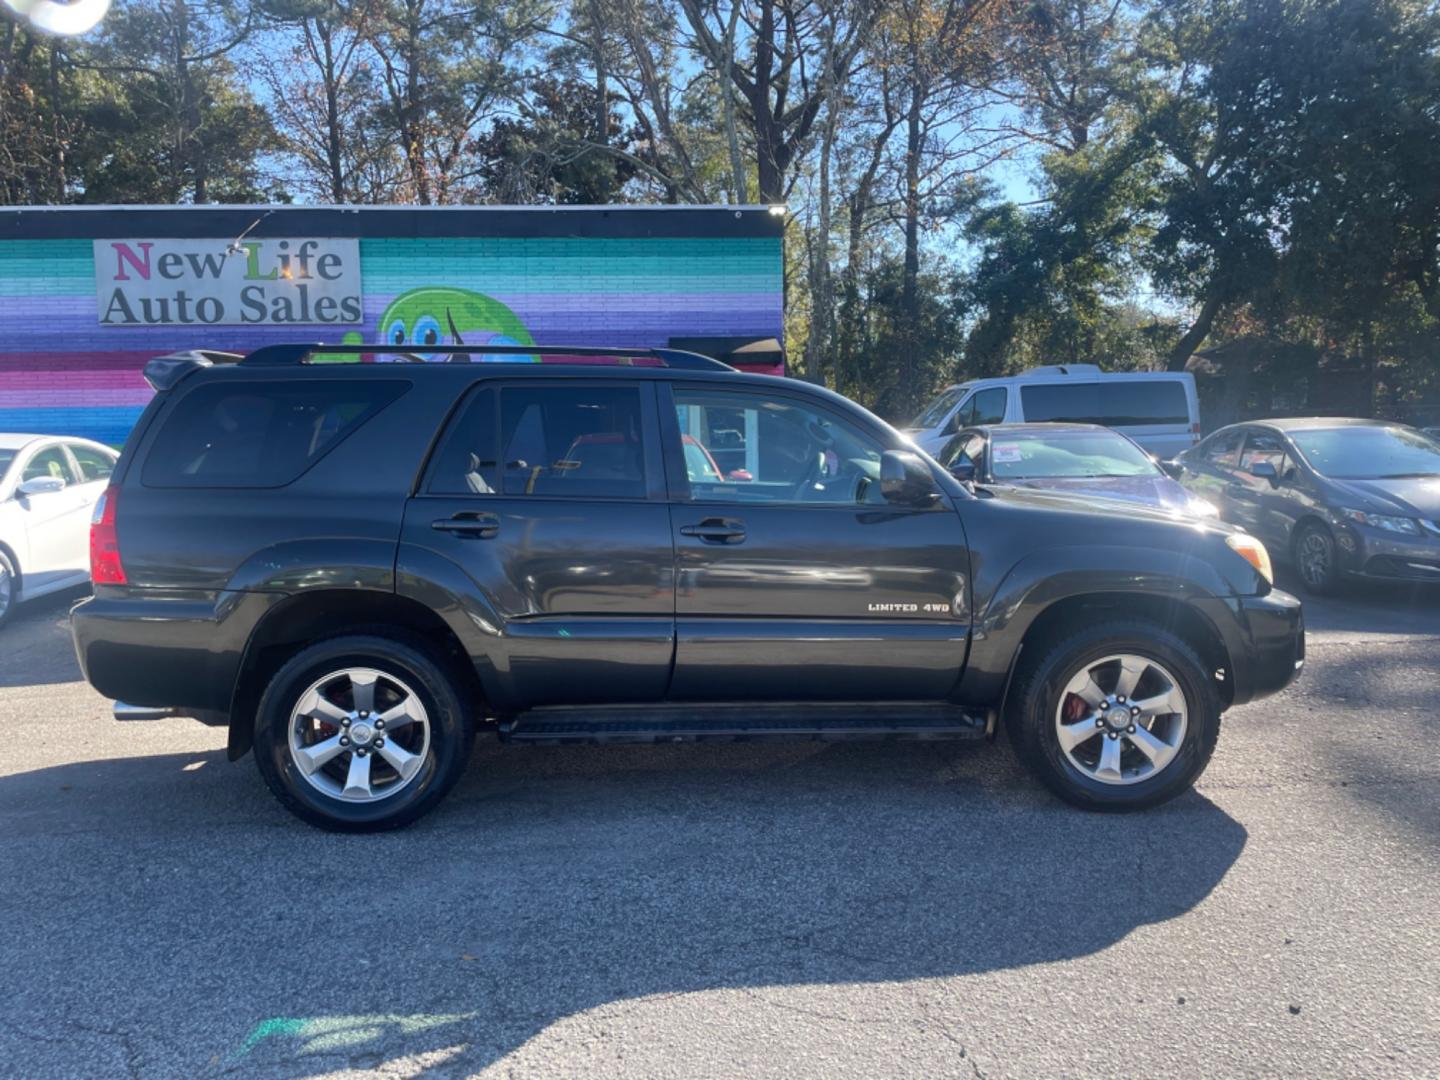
x=906 y=480
x=1172 y=468
x=740 y=476
x=963 y=469
x=1264 y=470
x=41 y=485
x=954 y=425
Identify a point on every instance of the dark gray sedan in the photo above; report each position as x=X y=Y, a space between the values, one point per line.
x=1337 y=497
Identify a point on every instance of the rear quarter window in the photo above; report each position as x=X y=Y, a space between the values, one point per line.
x=1121 y=403
x=259 y=435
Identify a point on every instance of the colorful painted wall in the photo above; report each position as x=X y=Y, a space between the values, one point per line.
x=592 y=276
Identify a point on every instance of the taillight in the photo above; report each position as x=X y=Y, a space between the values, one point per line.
x=105 y=567
x=1194 y=433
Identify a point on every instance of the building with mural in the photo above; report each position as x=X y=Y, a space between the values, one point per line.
x=88 y=294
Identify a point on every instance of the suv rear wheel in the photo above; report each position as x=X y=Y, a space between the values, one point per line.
x=361 y=733
x=1116 y=716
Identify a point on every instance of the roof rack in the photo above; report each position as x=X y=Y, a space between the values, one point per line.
x=301 y=353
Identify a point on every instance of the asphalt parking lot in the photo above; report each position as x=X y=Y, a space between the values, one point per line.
x=845 y=910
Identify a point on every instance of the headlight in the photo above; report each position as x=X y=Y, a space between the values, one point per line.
x=1253 y=552
x=1384 y=522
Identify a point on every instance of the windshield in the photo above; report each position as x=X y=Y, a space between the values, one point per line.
x=1369 y=453
x=1070 y=454
x=6 y=457
x=937 y=409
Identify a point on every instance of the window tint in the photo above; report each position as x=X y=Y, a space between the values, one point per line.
x=572 y=440
x=467 y=463
x=1121 y=403
x=94 y=464
x=1223 y=449
x=259 y=435
x=988 y=406
x=775 y=450
x=49 y=462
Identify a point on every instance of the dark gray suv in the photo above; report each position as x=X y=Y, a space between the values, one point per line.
x=1337 y=497
x=357 y=566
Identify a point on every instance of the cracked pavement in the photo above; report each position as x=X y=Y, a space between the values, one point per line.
x=765 y=910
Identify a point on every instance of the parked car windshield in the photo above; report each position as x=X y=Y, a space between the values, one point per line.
x=1069 y=454
x=937 y=409
x=1369 y=453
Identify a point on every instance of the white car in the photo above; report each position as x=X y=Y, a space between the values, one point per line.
x=1157 y=409
x=48 y=489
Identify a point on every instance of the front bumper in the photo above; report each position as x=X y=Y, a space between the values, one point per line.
x=1265 y=637
x=1394 y=557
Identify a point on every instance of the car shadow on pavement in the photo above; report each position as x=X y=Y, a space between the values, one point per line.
x=37 y=644
x=168 y=904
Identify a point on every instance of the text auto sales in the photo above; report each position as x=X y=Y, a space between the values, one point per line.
x=178 y=282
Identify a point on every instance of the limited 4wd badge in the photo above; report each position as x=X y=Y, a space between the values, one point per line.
x=956 y=607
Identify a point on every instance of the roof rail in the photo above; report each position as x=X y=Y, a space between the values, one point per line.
x=303 y=353
x=163 y=372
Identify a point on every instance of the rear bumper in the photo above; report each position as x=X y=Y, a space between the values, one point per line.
x=1265 y=637
x=180 y=652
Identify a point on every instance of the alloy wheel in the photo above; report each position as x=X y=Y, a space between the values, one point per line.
x=359 y=735
x=1316 y=558
x=1121 y=719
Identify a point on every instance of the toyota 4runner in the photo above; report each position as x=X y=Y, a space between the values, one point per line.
x=355 y=566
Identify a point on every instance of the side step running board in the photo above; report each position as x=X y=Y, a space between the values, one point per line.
x=689 y=723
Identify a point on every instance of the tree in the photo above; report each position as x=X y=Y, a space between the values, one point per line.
x=550 y=152
x=782 y=57
x=447 y=68
x=938 y=53
x=180 y=125
x=325 y=99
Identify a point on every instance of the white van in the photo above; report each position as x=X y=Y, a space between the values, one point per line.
x=1158 y=409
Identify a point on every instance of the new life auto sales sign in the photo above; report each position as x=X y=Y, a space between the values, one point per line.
x=256 y=282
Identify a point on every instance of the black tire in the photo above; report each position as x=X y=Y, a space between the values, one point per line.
x=1036 y=695
x=9 y=587
x=451 y=732
x=1314 y=556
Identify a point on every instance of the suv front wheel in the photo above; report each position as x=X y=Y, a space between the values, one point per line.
x=1116 y=716
x=361 y=733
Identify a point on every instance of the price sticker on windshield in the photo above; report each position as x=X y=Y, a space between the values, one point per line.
x=1005 y=453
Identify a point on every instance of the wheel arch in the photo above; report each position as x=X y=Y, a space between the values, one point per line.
x=314 y=615
x=1174 y=615
x=17 y=571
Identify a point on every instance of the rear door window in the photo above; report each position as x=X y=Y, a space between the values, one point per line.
x=572 y=441
x=1121 y=403
x=259 y=435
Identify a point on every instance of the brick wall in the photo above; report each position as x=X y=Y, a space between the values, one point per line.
x=62 y=372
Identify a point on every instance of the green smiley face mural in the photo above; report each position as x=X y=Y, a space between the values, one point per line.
x=424 y=321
